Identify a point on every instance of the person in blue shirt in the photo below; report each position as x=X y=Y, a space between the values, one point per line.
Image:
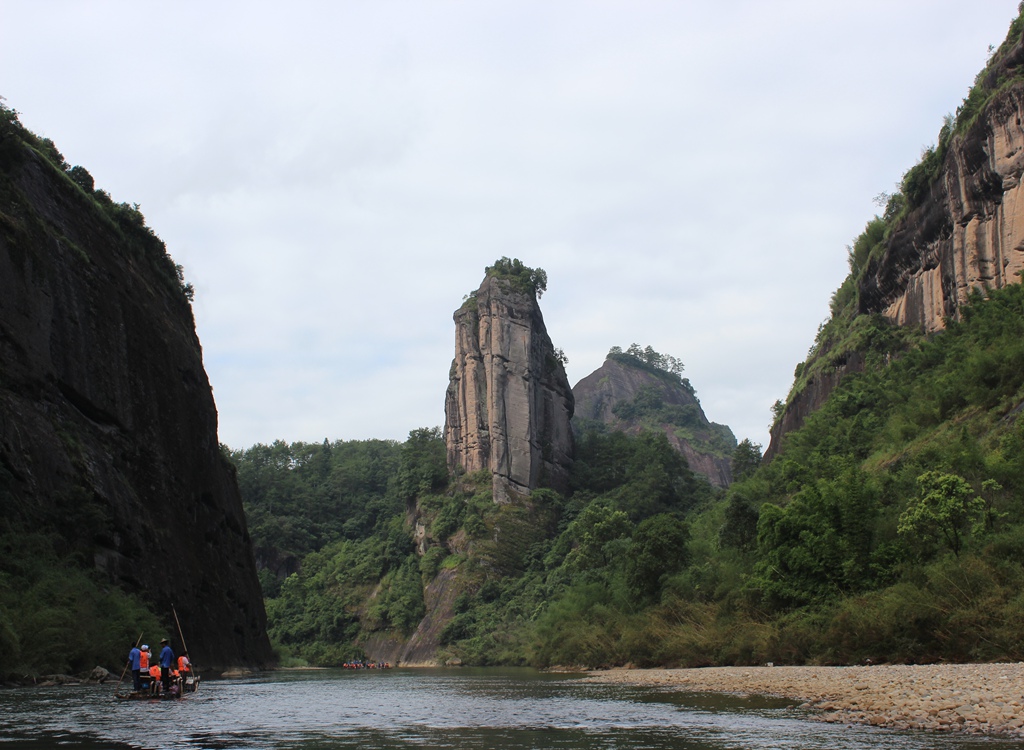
x=133 y=663
x=166 y=662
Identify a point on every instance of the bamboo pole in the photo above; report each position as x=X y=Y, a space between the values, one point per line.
x=184 y=648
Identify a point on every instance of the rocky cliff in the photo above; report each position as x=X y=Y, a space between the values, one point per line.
x=810 y=398
x=961 y=230
x=508 y=405
x=630 y=398
x=108 y=429
x=968 y=234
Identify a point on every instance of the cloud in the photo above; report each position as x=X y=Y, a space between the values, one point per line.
x=335 y=176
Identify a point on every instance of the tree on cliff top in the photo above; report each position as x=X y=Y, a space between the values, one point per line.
x=663 y=365
x=520 y=276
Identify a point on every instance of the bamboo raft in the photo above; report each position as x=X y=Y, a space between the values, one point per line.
x=190 y=686
x=185 y=686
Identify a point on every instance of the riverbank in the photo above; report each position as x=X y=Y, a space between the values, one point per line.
x=973 y=698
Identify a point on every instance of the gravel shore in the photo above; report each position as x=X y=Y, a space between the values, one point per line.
x=975 y=698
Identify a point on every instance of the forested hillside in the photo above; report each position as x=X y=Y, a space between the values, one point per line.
x=887 y=526
x=888 y=529
x=361 y=574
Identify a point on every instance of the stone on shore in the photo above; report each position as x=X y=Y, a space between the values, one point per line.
x=972 y=698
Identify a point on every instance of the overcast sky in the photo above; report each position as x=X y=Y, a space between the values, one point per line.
x=335 y=176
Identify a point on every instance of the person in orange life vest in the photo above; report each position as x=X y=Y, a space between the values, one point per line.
x=144 y=664
x=184 y=667
x=154 y=679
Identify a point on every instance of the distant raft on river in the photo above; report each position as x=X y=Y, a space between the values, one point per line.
x=366 y=665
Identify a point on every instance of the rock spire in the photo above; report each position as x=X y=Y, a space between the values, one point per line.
x=508 y=405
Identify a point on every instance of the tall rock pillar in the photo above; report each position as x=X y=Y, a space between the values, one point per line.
x=508 y=405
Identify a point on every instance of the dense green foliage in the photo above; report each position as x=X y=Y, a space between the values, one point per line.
x=889 y=528
x=56 y=617
x=58 y=614
x=924 y=448
x=358 y=574
x=304 y=496
x=327 y=523
x=532 y=281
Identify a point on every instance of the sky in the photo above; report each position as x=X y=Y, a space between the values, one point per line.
x=335 y=176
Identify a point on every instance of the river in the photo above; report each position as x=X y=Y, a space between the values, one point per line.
x=489 y=709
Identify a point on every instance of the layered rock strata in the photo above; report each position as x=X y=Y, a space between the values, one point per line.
x=508 y=405
x=108 y=428
x=967 y=234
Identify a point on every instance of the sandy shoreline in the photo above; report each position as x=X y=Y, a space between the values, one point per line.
x=975 y=698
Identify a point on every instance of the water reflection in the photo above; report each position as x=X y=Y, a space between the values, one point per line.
x=466 y=708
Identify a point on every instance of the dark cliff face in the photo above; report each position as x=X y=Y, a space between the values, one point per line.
x=108 y=429
x=508 y=405
x=617 y=383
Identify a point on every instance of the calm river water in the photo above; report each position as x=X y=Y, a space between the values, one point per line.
x=490 y=709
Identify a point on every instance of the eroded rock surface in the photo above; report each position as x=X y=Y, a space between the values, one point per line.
x=508 y=405
x=616 y=382
x=969 y=233
x=966 y=235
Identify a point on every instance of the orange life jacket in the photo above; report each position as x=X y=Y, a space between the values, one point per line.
x=183 y=664
x=154 y=672
x=143 y=661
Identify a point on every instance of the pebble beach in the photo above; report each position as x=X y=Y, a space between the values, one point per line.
x=972 y=698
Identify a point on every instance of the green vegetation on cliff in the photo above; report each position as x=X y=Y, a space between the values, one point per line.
x=889 y=528
x=531 y=281
x=666 y=402
x=943 y=417
x=355 y=581
x=646 y=358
